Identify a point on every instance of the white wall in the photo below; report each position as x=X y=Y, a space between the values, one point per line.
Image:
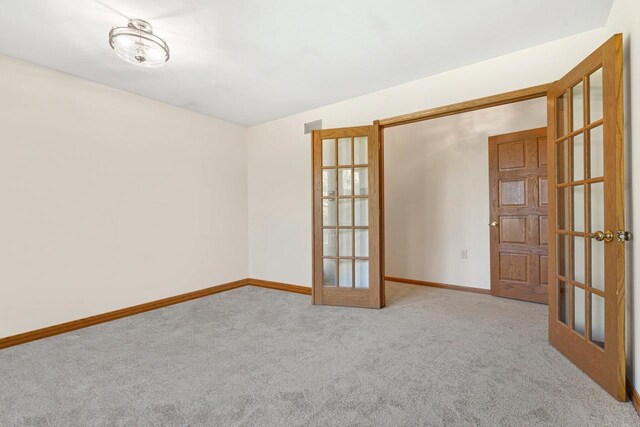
x=280 y=154
x=625 y=18
x=108 y=199
x=437 y=193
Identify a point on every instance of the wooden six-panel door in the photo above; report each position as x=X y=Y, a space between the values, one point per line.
x=346 y=221
x=518 y=215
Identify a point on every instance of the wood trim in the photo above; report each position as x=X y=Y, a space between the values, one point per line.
x=343 y=132
x=466 y=106
x=633 y=395
x=376 y=282
x=305 y=290
x=383 y=297
x=316 y=197
x=438 y=285
x=141 y=308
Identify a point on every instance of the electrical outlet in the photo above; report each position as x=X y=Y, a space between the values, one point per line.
x=464 y=254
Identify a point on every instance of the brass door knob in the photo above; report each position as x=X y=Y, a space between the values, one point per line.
x=494 y=224
x=624 y=236
x=600 y=236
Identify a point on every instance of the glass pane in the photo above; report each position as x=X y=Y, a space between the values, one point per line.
x=578 y=207
x=578 y=310
x=562 y=208
x=344 y=182
x=563 y=255
x=345 y=278
x=578 y=106
x=597 y=152
x=329 y=272
x=562 y=119
x=361 y=181
x=329 y=242
x=597 y=206
x=563 y=302
x=578 y=157
x=344 y=151
x=579 y=269
x=328 y=212
x=595 y=96
x=562 y=161
x=362 y=242
x=362 y=273
x=328 y=182
x=345 y=206
x=597 y=265
x=346 y=243
x=597 y=320
x=360 y=150
x=362 y=212
x=328 y=152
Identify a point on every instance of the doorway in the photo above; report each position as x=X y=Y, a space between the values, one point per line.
x=585 y=113
x=438 y=195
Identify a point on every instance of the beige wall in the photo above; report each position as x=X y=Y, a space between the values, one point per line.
x=437 y=193
x=108 y=199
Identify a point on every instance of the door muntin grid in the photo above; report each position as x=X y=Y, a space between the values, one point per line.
x=345 y=219
x=579 y=190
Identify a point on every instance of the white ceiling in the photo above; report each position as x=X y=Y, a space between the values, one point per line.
x=251 y=61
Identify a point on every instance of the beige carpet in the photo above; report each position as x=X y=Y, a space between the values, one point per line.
x=261 y=357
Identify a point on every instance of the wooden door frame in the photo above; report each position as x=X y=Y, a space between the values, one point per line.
x=533 y=92
x=525 y=94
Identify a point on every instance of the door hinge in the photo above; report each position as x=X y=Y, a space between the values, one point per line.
x=623 y=236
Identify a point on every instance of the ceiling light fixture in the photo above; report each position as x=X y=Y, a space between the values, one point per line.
x=137 y=44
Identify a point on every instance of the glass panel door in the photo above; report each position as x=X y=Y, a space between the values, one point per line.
x=586 y=318
x=351 y=197
x=346 y=217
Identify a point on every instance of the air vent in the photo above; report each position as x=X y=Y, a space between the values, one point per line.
x=315 y=125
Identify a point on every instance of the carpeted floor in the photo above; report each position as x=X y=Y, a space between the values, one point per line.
x=255 y=356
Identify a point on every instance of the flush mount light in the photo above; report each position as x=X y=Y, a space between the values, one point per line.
x=137 y=44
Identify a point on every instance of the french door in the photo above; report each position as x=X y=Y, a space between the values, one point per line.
x=586 y=217
x=346 y=221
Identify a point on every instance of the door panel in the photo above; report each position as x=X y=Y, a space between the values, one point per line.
x=346 y=206
x=586 y=206
x=518 y=193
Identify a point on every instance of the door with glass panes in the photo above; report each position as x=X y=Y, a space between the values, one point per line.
x=586 y=217
x=346 y=202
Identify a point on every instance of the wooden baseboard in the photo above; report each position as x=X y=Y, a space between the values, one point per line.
x=113 y=315
x=438 y=285
x=280 y=286
x=633 y=395
x=141 y=308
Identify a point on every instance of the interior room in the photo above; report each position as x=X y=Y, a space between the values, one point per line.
x=438 y=233
x=304 y=213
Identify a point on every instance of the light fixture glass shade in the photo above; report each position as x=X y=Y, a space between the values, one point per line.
x=137 y=44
